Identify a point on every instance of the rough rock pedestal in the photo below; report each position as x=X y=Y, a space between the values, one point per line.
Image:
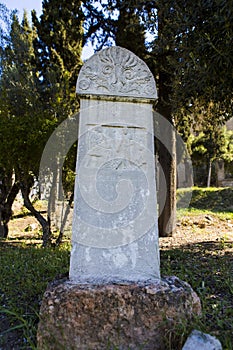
x=110 y=316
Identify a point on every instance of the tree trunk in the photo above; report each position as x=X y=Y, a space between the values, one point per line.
x=67 y=211
x=6 y=208
x=220 y=170
x=167 y=160
x=167 y=184
x=3 y=224
x=167 y=154
x=45 y=224
x=209 y=173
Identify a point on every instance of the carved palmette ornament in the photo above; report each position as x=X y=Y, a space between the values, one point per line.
x=116 y=71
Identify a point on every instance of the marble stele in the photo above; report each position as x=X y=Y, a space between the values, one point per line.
x=115 y=232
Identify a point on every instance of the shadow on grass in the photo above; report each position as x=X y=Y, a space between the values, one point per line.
x=215 y=200
x=212 y=199
x=26 y=213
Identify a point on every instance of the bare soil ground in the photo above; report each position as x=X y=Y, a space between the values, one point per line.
x=199 y=228
x=191 y=228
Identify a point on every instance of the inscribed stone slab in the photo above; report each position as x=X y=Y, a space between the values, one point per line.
x=115 y=233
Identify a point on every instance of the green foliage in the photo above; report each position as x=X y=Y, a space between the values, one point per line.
x=211 y=145
x=25 y=272
x=188 y=55
x=213 y=32
x=26 y=269
x=130 y=32
x=228 y=154
x=216 y=200
x=68 y=173
x=190 y=51
x=22 y=119
x=23 y=323
x=23 y=122
x=39 y=67
x=191 y=46
x=58 y=49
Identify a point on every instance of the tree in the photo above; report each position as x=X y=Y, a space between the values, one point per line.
x=192 y=41
x=23 y=122
x=129 y=32
x=7 y=190
x=187 y=39
x=39 y=67
x=59 y=48
x=211 y=144
x=205 y=78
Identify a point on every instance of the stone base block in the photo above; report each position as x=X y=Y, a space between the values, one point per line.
x=113 y=316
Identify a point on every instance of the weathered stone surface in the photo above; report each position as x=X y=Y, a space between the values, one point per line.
x=201 y=341
x=116 y=71
x=100 y=317
x=115 y=224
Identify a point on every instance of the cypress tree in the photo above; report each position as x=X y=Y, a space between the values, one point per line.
x=59 y=49
x=130 y=32
x=22 y=119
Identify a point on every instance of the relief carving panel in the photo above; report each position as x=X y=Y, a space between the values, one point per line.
x=111 y=142
x=116 y=71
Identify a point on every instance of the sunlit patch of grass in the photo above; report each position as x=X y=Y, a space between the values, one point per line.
x=217 y=201
x=197 y=212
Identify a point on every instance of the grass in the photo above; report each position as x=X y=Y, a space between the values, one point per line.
x=216 y=200
x=25 y=270
x=208 y=268
x=25 y=273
